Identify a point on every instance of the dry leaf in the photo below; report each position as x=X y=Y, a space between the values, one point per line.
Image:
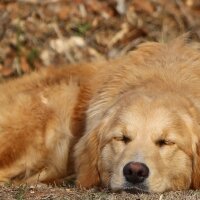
x=64 y=12
x=24 y=65
x=119 y=35
x=143 y=5
x=6 y=71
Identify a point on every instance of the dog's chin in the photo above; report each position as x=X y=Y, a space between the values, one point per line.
x=132 y=188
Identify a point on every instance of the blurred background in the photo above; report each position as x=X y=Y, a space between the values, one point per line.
x=41 y=33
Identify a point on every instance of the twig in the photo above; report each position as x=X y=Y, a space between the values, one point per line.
x=60 y=36
x=186 y=14
x=161 y=196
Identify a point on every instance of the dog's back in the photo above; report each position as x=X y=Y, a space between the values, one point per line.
x=42 y=116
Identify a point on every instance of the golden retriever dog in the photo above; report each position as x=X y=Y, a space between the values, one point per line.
x=128 y=124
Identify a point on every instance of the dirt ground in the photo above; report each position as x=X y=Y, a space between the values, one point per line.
x=42 y=33
x=63 y=193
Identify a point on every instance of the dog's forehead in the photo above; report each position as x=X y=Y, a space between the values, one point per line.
x=146 y=120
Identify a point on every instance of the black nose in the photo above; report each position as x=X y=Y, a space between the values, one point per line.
x=135 y=172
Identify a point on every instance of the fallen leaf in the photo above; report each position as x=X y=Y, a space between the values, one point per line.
x=119 y=35
x=64 y=12
x=6 y=71
x=24 y=65
x=143 y=5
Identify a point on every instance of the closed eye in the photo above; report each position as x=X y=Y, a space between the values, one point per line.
x=124 y=139
x=163 y=142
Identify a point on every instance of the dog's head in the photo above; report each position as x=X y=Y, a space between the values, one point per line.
x=150 y=145
x=147 y=139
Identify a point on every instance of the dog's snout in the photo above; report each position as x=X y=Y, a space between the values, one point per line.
x=135 y=172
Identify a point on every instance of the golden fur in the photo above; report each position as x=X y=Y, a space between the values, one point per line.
x=97 y=117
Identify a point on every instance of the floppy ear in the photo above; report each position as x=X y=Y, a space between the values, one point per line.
x=86 y=160
x=195 y=133
x=196 y=167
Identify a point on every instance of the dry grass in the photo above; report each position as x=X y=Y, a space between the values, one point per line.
x=55 y=193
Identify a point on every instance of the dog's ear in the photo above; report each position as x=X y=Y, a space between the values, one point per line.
x=196 y=167
x=87 y=150
x=86 y=159
x=195 y=150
